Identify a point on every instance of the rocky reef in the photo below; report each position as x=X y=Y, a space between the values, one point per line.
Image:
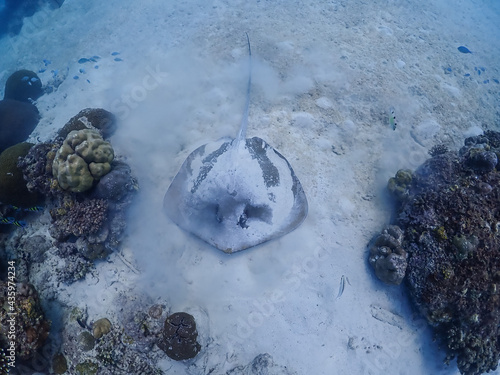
x=449 y=217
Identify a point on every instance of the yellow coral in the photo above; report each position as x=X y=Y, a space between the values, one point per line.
x=83 y=158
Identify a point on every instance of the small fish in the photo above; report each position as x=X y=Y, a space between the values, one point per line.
x=7 y=220
x=83 y=60
x=34 y=209
x=118 y=59
x=25 y=79
x=75 y=77
x=464 y=49
x=19 y=223
x=496 y=80
x=81 y=71
x=115 y=53
x=46 y=62
x=343 y=279
x=392 y=118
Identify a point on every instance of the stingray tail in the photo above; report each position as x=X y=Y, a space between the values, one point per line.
x=244 y=120
x=240 y=141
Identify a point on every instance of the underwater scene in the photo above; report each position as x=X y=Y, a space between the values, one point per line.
x=235 y=187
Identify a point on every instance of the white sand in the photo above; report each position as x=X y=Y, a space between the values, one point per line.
x=325 y=74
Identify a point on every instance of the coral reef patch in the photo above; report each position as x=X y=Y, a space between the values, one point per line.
x=13 y=189
x=17 y=121
x=30 y=326
x=88 y=215
x=179 y=337
x=23 y=85
x=18 y=115
x=97 y=119
x=83 y=158
x=449 y=213
x=387 y=256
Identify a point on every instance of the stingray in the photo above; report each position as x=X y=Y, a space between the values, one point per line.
x=236 y=193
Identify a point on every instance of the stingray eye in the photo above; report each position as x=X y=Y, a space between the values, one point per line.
x=218 y=214
x=242 y=222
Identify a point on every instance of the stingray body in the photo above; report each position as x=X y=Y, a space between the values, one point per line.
x=236 y=193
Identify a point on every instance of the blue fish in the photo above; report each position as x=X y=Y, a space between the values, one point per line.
x=75 y=77
x=118 y=59
x=464 y=49
x=83 y=60
x=46 y=62
x=115 y=53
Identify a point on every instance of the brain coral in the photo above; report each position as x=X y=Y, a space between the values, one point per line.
x=83 y=158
